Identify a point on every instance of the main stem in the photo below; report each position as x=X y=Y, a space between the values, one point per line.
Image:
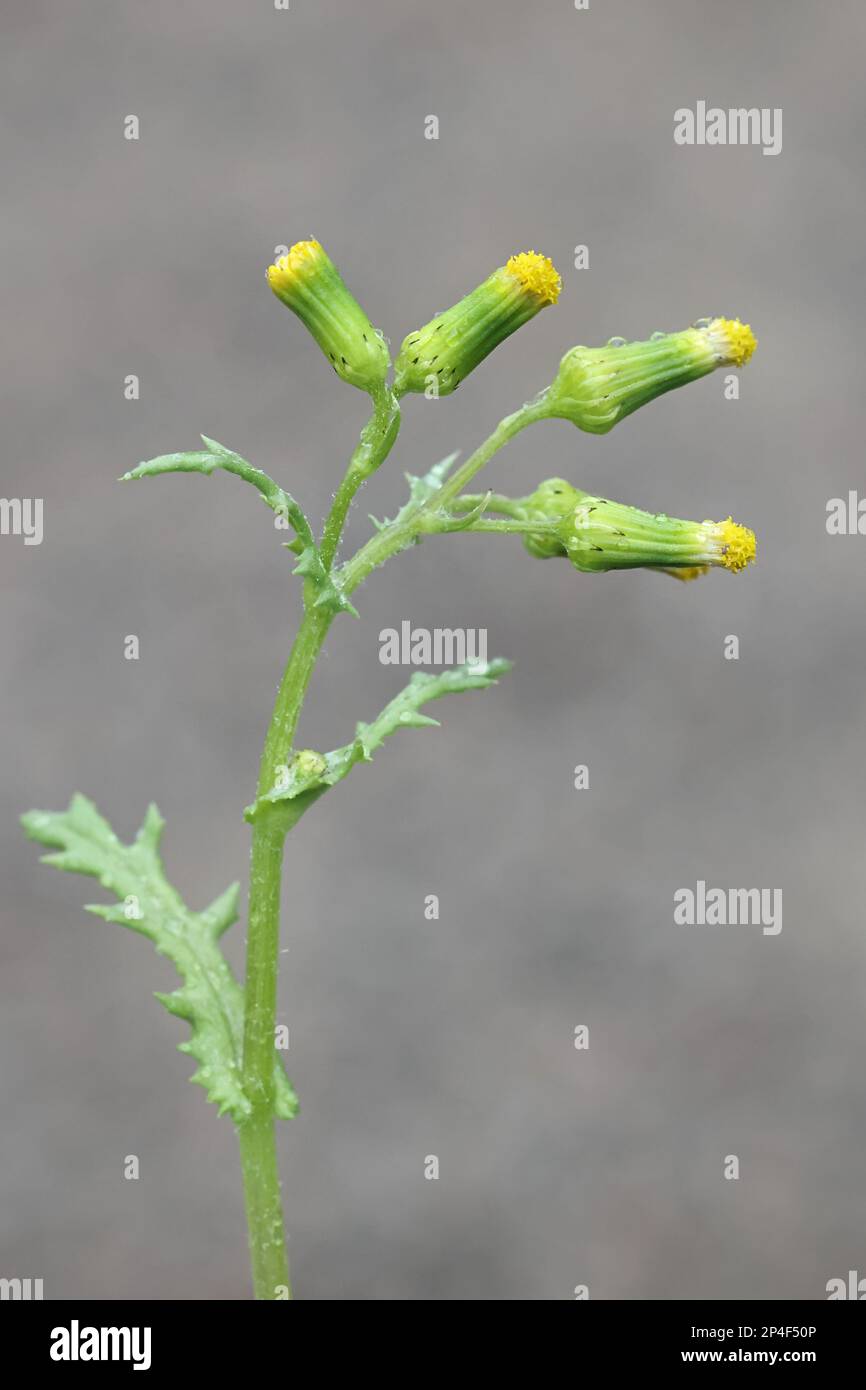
x=258 y=1141
x=377 y=439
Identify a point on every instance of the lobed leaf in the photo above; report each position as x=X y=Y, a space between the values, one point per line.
x=210 y=998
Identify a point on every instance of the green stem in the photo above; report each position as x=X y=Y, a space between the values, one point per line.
x=493 y=502
x=514 y=528
x=376 y=442
x=264 y=1208
x=257 y=1135
x=290 y=697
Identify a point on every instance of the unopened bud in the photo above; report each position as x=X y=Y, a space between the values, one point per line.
x=308 y=282
x=447 y=349
x=597 y=387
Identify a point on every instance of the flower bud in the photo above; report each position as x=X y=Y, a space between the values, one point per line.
x=597 y=535
x=438 y=356
x=597 y=387
x=308 y=282
x=552 y=502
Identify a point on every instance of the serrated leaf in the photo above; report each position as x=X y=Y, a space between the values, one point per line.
x=210 y=999
x=310 y=773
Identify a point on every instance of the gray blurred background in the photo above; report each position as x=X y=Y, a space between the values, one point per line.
x=454 y=1037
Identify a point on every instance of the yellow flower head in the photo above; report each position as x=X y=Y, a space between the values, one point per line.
x=307 y=282
x=737 y=544
x=435 y=359
x=734 y=342
x=536 y=274
x=302 y=261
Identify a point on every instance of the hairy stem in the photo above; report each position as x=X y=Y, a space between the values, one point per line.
x=491 y=501
x=264 y=1207
x=377 y=439
x=510 y=527
x=258 y=1135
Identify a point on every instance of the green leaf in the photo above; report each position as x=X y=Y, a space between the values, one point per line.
x=216 y=456
x=420 y=491
x=329 y=595
x=210 y=998
x=309 y=774
x=310 y=564
x=444 y=522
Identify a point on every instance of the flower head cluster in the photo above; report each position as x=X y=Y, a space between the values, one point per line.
x=594 y=388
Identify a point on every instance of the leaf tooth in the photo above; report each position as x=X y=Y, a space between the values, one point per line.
x=214 y=447
x=152 y=827
x=223 y=911
x=180 y=1004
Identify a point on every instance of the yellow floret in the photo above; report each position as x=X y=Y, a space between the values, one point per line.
x=738 y=340
x=739 y=544
x=537 y=274
x=302 y=258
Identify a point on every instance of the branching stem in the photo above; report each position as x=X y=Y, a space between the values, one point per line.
x=258 y=1135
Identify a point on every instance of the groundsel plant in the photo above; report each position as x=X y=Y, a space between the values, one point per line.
x=233 y=1027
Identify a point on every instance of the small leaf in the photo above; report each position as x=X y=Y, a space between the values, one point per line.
x=334 y=600
x=330 y=595
x=310 y=774
x=420 y=490
x=445 y=522
x=211 y=999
